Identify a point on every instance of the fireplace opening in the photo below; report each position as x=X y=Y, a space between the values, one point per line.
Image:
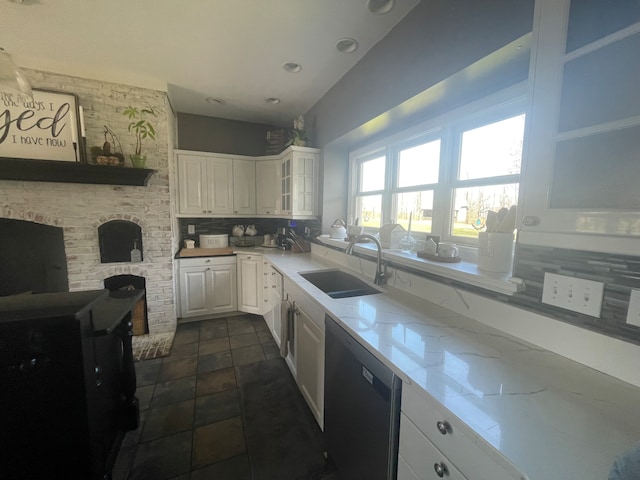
x=120 y=241
x=139 y=313
x=32 y=258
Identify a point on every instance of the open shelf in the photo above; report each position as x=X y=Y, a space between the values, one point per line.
x=71 y=172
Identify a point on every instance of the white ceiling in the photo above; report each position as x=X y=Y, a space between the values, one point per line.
x=195 y=49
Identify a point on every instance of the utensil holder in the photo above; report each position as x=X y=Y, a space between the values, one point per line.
x=301 y=246
x=495 y=252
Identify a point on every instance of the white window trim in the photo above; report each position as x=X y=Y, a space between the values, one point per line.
x=501 y=104
x=510 y=99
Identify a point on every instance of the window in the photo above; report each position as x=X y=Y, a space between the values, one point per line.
x=442 y=176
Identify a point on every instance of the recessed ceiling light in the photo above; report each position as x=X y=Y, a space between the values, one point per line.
x=292 y=67
x=346 y=45
x=216 y=101
x=272 y=100
x=380 y=7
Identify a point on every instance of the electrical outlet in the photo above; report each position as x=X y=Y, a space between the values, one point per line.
x=571 y=293
x=633 y=313
x=191 y=229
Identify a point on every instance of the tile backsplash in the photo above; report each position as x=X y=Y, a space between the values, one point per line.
x=218 y=226
x=619 y=273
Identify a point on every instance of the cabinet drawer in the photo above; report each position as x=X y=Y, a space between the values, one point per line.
x=471 y=454
x=422 y=457
x=205 y=261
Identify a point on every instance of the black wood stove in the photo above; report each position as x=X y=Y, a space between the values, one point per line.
x=67 y=383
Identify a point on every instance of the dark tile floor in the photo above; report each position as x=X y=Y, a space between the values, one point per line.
x=191 y=424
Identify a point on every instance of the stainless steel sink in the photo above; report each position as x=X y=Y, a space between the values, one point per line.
x=339 y=284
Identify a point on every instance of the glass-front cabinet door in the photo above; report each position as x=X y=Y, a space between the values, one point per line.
x=581 y=162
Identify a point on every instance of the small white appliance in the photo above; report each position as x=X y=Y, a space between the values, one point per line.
x=214 y=241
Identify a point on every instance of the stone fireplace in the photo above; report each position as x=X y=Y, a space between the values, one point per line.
x=81 y=209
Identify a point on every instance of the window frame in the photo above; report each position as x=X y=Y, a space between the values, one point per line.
x=449 y=128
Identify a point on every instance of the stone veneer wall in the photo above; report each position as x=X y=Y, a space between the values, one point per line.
x=80 y=208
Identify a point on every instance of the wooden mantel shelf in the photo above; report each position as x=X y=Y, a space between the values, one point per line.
x=71 y=172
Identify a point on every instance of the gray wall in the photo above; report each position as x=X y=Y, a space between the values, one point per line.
x=436 y=41
x=209 y=134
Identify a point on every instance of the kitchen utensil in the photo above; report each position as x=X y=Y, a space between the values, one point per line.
x=237 y=230
x=500 y=217
x=250 y=230
x=508 y=223
x=491 y=220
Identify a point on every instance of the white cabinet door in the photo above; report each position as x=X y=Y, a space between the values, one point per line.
x=304 y=176
x=250 y=283
x=192 y=184
x=223 y=280
x=220 y=185
x=207 y=286
x=285 y=183
x=268 y=187
x=422 y=457
x=244 y=186
x=194 y=292
x=310 y=364
x=580 y=156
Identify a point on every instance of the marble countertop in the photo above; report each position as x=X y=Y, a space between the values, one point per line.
x=549 y=416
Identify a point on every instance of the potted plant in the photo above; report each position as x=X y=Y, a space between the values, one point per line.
x=297 y=136
x=141 y=128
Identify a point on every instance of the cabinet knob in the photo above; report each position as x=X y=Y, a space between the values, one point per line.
x=444 y=427
x=441 y=469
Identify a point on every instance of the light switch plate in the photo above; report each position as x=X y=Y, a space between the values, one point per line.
x=633 y=314
x=191 y=229
x=575 y=294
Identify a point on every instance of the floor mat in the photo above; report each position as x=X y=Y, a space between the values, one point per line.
x=283 y=439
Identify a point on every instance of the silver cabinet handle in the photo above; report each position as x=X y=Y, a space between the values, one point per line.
x=444 y=427
x=441 y=469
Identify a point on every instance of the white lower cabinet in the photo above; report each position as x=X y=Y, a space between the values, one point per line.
x=273 y=313
x=207 y=286
x=311 y=364
x=307 y=361
x=423 y=461
x=433 y=442
x=251 y=282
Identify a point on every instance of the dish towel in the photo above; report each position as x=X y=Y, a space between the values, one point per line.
x=284 y=328
x=627 y=465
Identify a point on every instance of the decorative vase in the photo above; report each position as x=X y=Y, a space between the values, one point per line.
x=138 y=161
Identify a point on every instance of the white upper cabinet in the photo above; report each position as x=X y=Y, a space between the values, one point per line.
x=285 y=185
x=204 y=184
x=299 y=182
x=244 y=186
x=580 y=163
x=267 y=187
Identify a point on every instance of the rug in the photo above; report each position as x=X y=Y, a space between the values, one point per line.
x=147 y=347
x=283 y=439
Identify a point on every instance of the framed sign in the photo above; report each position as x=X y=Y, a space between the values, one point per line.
x=45 y=128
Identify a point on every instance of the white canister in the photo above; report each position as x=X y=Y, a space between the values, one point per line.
x=495 y=252
x=214 y=241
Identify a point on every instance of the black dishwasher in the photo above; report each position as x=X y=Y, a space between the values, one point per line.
x=362 y=409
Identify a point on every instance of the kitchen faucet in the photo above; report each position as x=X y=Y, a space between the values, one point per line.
x=380 y=273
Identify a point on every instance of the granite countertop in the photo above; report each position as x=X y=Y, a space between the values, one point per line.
x=549 y=416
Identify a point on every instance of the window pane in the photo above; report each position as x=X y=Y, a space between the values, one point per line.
x=472 y=204
x=420 y=204
x=492 y=150
x=419 y=165
x=372 y=175
x=369 y=211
